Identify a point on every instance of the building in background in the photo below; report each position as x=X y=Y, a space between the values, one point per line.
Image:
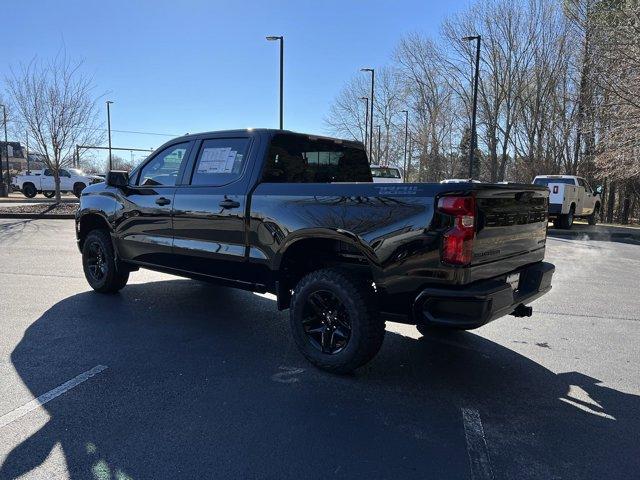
x=18 y=159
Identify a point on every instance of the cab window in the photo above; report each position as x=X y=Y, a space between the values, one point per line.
x=295 y=158
x=220 y=161
x=163 y=169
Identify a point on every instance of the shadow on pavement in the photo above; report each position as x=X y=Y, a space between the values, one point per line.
x=204 y=382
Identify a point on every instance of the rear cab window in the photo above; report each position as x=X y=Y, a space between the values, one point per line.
x=294 y=158
x=385 y=172
x=547 y=181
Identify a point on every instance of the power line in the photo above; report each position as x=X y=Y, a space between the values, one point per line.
x=20 y=122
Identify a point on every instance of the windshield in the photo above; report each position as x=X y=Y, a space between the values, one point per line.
x=385 y=172
x=547 y=181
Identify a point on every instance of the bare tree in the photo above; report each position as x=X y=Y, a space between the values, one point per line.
x=347 y=116
x=55 y=102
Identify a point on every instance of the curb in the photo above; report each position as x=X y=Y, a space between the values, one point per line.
x=34 y=216
x=620 y=236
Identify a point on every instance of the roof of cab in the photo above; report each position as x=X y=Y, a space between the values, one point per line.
x=260 y=131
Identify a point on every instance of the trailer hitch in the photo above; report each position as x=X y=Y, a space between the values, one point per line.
x=522 y=311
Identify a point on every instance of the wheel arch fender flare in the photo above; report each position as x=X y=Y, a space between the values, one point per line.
x=328 y=234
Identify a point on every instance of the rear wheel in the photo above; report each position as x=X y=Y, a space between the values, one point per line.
x=29 y=190
x=101 y=268
x=49 y=193
x=77 y=189
x=593 y=218
x=334 y=320
x=566 y=221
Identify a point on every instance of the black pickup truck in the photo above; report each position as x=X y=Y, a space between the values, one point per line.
x=298 y=216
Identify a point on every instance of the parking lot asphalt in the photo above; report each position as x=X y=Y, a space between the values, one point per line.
x=173 y=378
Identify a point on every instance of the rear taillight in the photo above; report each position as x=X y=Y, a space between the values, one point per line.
x=457 y=242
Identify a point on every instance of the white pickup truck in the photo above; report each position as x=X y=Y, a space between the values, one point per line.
x=42 y=181
x=570 y=197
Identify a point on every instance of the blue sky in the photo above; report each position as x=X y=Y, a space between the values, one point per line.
x=175 y=67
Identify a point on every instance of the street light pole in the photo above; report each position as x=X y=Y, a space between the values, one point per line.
x=4 y=188
x=366 y=119
x=379 y=151
x=272 y=38
x=406 y=138
x=109 y=102
x=373 y=74
x=27 y=151
x=474 y=135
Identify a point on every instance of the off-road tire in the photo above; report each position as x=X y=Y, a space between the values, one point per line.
x=29 y=190
x=114 y=276
x=593 y=218
x=77 y=189
x=357 y=298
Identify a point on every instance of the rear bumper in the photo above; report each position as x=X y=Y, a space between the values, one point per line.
x=483 y=301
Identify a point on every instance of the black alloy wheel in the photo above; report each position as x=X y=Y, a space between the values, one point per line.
x=334 y=319
x=326 y=322
x=103 y=271
x=95 y=261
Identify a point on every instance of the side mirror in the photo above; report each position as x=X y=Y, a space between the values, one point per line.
x=118 y=178
x=598 y=190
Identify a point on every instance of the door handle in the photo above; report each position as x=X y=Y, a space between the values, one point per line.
x=228 y=203
x=163 y=201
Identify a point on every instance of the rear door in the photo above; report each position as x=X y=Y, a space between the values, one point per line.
x=47 y=180
x=144 y=229
x=210 y=207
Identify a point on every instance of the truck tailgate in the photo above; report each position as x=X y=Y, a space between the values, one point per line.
x=512 y=225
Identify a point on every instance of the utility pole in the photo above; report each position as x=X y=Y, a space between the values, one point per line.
x=27 y=152
x=272 y=38
x=406 y=139
x=379 y=151
x=373 y=74
x=4 y=188
x=474 y=136
x=366 y=119
x=109 y=102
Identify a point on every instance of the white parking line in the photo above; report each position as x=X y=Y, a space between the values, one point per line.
x=50 y=395
x=476 y=445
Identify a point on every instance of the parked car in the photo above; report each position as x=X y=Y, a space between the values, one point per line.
x=570 y=197
x=42 y=181
x=383 y=174
x=273 y=211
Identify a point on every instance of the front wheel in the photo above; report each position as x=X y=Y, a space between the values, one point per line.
x=593 y=218
x=334 y=321
x=100 y=266
x=29 y=190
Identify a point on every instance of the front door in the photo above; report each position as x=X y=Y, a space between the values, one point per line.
x=589 y=202
x=144 y=226
x=209 y=209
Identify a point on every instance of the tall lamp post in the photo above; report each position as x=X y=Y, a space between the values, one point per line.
x=373 y=74
x=474 y=110
x=379 y=151
x=109 y=102
x=4 y=188
x=366 y=119
x=406 y=138
x=273 y=38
